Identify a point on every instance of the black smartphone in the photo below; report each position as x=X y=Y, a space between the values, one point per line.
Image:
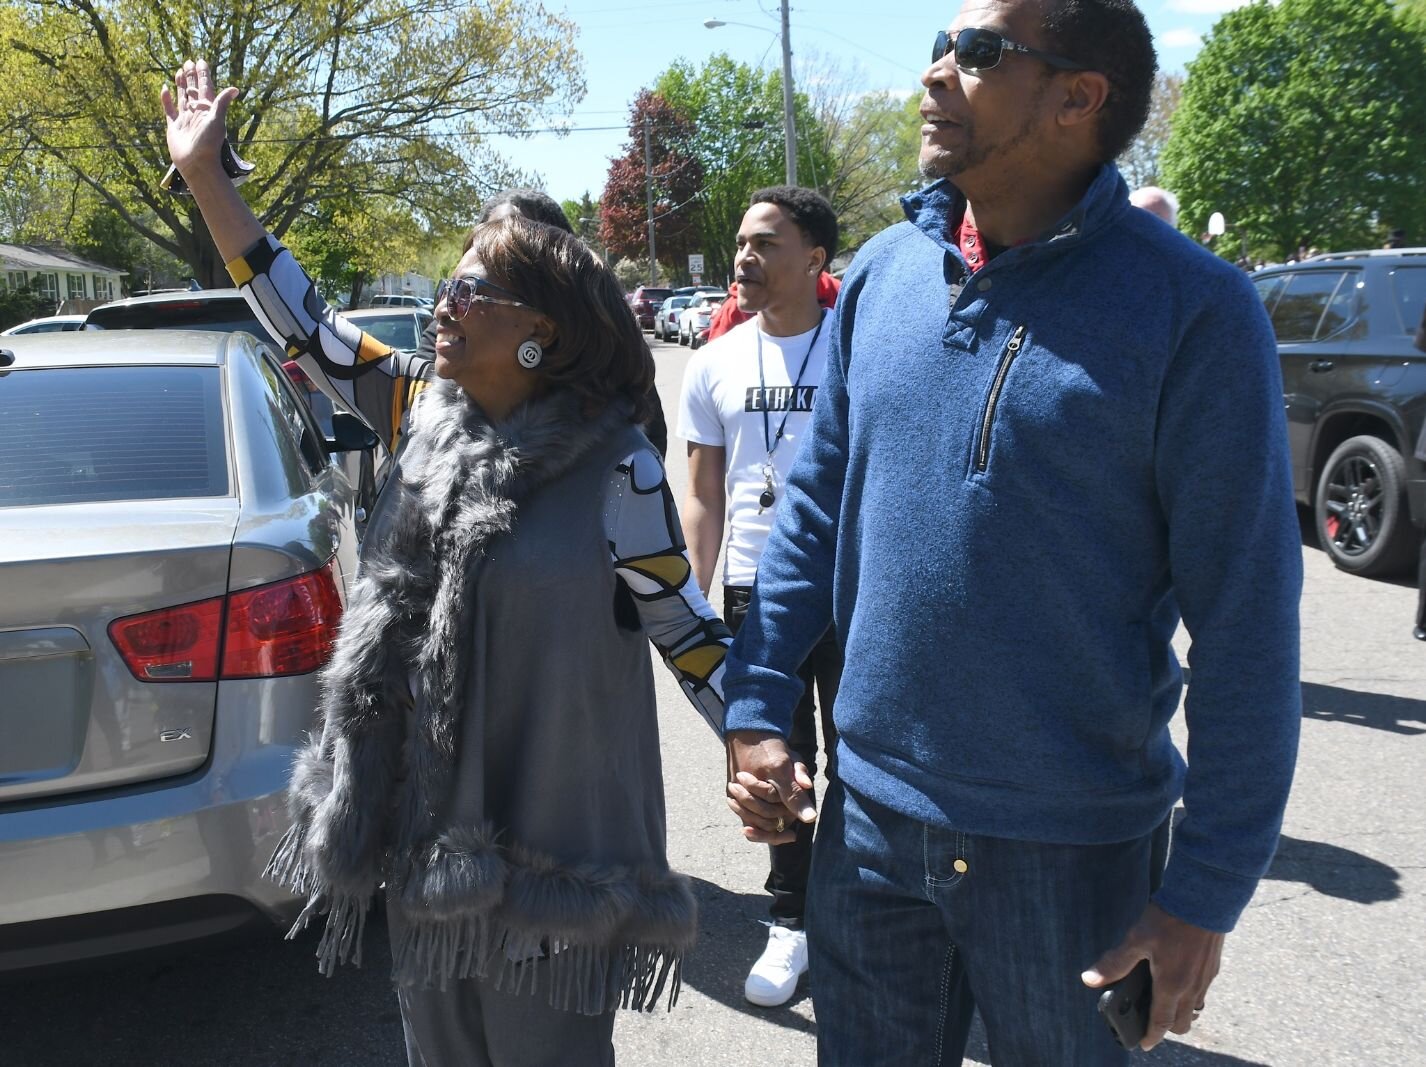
x=1125 y=1006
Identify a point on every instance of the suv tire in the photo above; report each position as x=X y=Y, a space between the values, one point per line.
x=1360 y=509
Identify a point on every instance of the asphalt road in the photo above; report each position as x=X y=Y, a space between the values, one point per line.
x=1325 y=968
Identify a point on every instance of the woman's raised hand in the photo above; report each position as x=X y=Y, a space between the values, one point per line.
x=197 y=119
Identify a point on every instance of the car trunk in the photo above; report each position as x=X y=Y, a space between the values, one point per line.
x=74 y=715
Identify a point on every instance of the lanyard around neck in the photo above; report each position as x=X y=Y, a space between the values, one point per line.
x=771 y=443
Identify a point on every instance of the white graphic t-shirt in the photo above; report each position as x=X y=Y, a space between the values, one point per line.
x=724 y=402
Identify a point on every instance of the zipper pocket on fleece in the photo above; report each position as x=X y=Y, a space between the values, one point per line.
x=1012 y=349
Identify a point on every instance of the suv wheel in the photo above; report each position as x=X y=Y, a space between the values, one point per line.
x=1360 y=508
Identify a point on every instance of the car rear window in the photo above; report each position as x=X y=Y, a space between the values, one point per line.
x=654 y=296
x=71 y=435
x=212 y=316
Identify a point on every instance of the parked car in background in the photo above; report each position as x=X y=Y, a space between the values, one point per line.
x=693 y=323
x=46 y=324
x=645 y=300
x=398 y=327
x=227 y=311
x=177 y=556
x=1354 y=388
x=666 y=319
x=401 y=300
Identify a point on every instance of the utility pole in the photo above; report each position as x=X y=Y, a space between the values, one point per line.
x=789 y=122
x=649 y=193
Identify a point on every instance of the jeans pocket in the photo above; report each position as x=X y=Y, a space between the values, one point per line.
x=944 y=857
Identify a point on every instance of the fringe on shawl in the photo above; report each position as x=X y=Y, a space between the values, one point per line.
x=346 y=912
x=587 y=979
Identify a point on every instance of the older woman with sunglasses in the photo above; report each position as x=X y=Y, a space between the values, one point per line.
x=489 y=743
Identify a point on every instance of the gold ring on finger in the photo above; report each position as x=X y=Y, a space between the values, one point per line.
x=781 y=825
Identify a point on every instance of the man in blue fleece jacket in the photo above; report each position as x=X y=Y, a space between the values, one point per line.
x=1050 y=427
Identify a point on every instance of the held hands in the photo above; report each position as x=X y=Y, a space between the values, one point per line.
x=767 y=790
x=197 y=119
x=1183 y=960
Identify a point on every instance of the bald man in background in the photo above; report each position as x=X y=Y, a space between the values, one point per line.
x=1158 y=202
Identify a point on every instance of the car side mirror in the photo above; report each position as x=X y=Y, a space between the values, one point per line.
x=349 y=434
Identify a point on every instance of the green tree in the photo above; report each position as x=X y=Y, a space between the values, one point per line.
x=21 y=305
x=1298 y=140
x=347 y=101
x=583 y=215
x=735 y=111
x=873 y=142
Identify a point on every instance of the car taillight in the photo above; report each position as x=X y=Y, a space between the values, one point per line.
x=288 y=627
x=284 y=628
x=298 y=376
x=177 y=644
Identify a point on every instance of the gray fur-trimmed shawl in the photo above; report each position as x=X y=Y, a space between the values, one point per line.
x=367 y=796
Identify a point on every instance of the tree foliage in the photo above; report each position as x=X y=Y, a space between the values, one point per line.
x=356 y=102
x=1140 y=163
x=676 y=176
x=735 y=111
x=872 y=142
x=584 y=216
x=22 y=304
x=1298 y=140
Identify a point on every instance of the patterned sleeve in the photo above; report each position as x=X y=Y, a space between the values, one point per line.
x=646 y=541
x=353 y=368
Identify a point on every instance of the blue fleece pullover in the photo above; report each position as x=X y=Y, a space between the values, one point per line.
x=1014 y=483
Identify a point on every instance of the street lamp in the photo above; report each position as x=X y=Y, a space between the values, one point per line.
x=789 y=121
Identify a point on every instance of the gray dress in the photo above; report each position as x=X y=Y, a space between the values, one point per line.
x=511 y=799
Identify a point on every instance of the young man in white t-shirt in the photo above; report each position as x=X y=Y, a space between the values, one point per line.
x=746 y=402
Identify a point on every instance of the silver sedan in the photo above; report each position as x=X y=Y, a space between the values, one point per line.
x=176 y=545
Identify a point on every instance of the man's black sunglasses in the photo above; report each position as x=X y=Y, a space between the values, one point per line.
x=977 y=50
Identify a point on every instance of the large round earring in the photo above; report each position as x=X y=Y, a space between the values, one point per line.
x=529 y=354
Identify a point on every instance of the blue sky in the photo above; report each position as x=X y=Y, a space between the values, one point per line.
x=626 y=44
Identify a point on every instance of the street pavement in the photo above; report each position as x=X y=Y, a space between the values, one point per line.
x=1324 y=969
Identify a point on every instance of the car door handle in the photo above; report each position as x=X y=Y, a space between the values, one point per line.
x=1320 y=366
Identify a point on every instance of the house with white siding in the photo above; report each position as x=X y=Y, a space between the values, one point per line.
x=74 y=285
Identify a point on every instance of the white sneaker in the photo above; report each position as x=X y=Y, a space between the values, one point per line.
x=773 y=978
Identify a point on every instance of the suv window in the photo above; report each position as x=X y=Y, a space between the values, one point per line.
x=71 y=435
x=1269 y=289
x=1408 y=295
x=1306 y=302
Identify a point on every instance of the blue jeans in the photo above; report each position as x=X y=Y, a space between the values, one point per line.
x=911 y=927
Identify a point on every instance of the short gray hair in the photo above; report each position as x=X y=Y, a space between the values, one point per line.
x=1157 y=201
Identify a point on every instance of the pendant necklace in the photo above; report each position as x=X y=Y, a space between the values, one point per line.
x=768 y=496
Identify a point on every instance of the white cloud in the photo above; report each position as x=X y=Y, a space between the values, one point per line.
x=1181 y=37
x=1204 y=7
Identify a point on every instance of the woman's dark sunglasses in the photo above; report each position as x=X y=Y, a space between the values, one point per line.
x=460 y=293
x=977 y=50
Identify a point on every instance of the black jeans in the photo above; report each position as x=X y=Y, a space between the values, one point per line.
x=822 y=671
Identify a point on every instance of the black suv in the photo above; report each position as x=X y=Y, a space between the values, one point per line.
x=1354 y=386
